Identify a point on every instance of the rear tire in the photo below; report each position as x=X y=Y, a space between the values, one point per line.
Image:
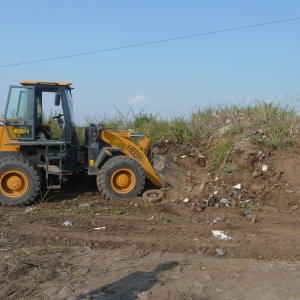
x=20 y=181
x=121 y=177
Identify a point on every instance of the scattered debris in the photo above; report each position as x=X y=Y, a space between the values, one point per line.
x=217 y=219
x=186 y=200
x=235 y=194
x=242 y=204
x=256 y=174
x=211 y=202
x=220 y=251
x=253 y=220
x=260 y=155
x=63 y=273
x=249 y=202
x=225 y=202
x=224 y=130
x=198 y=209
x=238 y=186
x=233 y=203
x=153 y=196
x=84 y=205
x=99 y=228
x=30 y=209
x=67 y=223
x=221 y=235
x=143 y=295
x=264 y=168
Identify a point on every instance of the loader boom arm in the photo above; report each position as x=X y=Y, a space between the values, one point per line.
x=129 y=148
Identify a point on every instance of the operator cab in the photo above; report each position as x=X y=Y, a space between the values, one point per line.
x=25 y=118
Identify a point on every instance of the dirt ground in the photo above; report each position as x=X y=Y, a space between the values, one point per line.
x=234 y=235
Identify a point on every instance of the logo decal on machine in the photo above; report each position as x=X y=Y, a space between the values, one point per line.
x=135 y=153
x=21 y=131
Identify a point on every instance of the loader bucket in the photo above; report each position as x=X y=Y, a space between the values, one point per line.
x=168 y=171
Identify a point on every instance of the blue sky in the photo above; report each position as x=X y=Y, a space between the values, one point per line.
x=173 y=78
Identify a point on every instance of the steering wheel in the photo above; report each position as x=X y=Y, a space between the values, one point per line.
x=58 y=116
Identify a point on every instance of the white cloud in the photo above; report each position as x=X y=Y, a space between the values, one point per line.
x=137 y=99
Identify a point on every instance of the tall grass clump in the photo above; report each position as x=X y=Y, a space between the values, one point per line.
x=274 y=119
x=262 y=112
x=204 y=123
x=180 y=129
x=177 y=128
x=221 y=153
x=158 y=127
x=118 y=121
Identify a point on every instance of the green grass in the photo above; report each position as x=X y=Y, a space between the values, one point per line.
x=221 y=153
x=276 y=123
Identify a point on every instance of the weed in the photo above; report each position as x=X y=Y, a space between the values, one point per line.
x=118 y=212
x=222 y=151
x=227 y=170
x=282 y=194
x=289 y=143
x=239 y=150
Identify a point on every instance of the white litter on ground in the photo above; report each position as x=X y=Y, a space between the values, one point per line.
x=67 y=223
x=238 y=186
x=221 y=235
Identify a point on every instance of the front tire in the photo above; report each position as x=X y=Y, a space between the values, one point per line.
x=121 y=177
x=20 y=181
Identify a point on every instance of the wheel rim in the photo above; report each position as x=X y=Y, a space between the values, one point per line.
x=123 y=181
x=13 y=184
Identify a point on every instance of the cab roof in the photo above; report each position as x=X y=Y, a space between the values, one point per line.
x=53 y=83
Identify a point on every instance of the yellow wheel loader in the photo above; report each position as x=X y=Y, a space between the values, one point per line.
x=30 y=157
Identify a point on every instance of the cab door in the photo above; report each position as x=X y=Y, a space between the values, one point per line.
x=19 y=120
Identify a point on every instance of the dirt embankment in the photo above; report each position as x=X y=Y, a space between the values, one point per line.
x=216 y=235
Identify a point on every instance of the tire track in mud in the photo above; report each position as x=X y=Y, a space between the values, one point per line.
x=264 y=241
x=54 y=237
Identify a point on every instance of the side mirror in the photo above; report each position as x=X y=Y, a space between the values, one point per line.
x=57 y=99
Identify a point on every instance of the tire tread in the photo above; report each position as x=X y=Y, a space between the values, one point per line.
x=22 y=164
x=116 y=162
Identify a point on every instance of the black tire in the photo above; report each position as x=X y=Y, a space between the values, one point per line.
x=153 y=196
x=20 y=181
x=121 y=177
